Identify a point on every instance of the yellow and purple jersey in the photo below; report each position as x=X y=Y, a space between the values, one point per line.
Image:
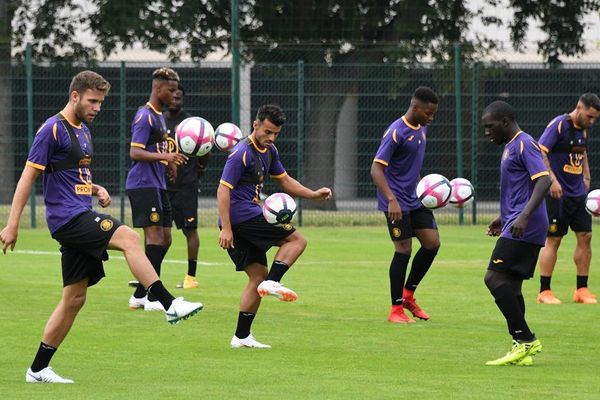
x=565 y=145
x=67 y=179
x=148 y=132
x=521 y=165
x=245 y=177
x=402 y=151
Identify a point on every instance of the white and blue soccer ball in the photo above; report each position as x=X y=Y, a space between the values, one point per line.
x=463 y=192
x=434 y=191
x=592 y=203
x=279 y=209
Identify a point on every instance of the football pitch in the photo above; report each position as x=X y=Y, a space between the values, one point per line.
x=333 y=343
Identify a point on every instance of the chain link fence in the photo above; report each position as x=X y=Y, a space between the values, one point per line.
x=336 y=116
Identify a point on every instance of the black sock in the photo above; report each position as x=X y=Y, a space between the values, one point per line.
x=158 y=291
x=521 y=301
x=192 y=267
x=508 y=303
x=397 y=276
x=582 y=281
x=244 y=323
x=278 y=269
x=155 y=254
x=43 y=357
x=545 y=283
x=420 y=265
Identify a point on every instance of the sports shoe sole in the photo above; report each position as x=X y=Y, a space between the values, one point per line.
x=176 y=321
x=283 y=295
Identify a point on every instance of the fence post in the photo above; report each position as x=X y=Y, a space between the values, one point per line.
x=235 y=62
x=300 y=148
x=458 y=111
x=474 y=131
x=122 y=144
x=29 y=88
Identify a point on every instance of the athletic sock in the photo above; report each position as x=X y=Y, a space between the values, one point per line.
x=192 y=264
x=582 y=281
x=545 y=283
x=155 y=254
x=397 y=275
x=42 y=357
x=420 y=265
x=244 y=323
x=278 y=269
x=508 y=303
x=158 y=291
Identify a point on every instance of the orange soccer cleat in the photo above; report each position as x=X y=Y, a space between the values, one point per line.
x=411 y=305
x=547 y=297
x=583 y=295
x=398 y=316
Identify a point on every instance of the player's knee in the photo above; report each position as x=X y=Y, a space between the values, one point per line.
x=75 y=302
x=130 y=239
x=301 y=243
x=584 y=238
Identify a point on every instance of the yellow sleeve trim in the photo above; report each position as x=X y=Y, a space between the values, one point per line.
x=163 y=162
x=139 y=118
x=377 y=160
x=134 y=144
x=36 y=166
x=149 y=119
x=54 y=132
x=534 y=177
x=227 y=184
x=244 y=159
x=394 y=136
x=279 y=176
x=559 y=127
x=544 y=148
x=522 y=145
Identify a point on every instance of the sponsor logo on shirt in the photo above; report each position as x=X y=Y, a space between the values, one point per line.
x=85 y=189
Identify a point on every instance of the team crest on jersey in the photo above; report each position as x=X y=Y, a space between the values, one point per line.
x=396 y=232
x=552 y=228
x=154 y=217
x=106 y=225
x=287 y=227
x=172 y=145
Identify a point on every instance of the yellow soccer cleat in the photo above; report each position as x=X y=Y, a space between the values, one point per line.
x=518 y=353
x=189 y=282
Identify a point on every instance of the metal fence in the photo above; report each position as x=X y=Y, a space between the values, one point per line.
x=336 y=117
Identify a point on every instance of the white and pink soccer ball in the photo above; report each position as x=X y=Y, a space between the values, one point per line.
x=227 y=135
x=434 y=191
x=194 y=136
x=462 y=192
x=279 y=209
x=592 y=203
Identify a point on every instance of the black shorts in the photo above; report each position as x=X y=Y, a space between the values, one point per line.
x=184 y=206
x=514 y=257
x=567 y=212
x=83 y=241
x=150 y=207
x=421 y=218
x=253 y=238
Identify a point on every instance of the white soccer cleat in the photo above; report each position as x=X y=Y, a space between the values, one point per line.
x=250 y=342
x=47 y=375
x=181 y=309
x=136 y=304
x=153 y=306
x=276 y=289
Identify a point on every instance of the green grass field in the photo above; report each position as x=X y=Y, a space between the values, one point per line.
x=333 y=343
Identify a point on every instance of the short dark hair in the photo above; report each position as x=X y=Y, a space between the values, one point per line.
x=271 y=112
x=165 y=74
x=180 y=87
x=426 y=95
x=590 y=100
x=88 y=80
x=500 y=109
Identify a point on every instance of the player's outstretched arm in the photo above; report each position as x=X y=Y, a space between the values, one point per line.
x=296 y=189
x=102 y=194
x=9 y=234
x=540 y=190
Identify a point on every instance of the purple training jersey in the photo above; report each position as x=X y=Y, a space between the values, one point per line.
x=402 y=151
x=521 y=165
x=148 y=132
x=67 y=192
x=566 y=158
x=239 y=169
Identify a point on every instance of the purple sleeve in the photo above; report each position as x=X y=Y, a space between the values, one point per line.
x=276 y=168
x=550 y=136
x=141 y=128
x=389 y=143
x=43 y=146
x=531 y=155
x=234 y=167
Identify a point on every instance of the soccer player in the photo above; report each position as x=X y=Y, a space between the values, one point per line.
x=522 y=226
x=564 y=148
x=183 y=190
x=146 y=186
x=395 y=171
x=245 y=233
x=62 y=151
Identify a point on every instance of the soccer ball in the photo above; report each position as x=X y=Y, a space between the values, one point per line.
x=592 y=203
x=279 y=209
x=194 y=136
x=434 y=191
x=227 y=135
x=462 y=192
